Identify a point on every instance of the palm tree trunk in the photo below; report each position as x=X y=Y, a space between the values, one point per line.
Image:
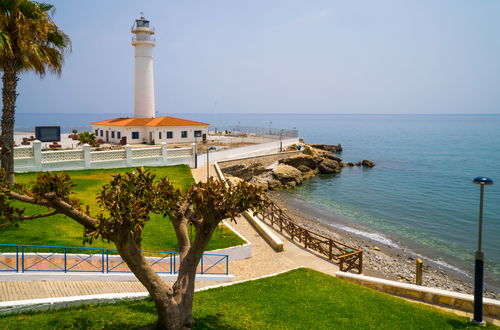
x=9 y=96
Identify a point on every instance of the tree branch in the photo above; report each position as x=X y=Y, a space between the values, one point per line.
x=59 y=206
x=34 y=216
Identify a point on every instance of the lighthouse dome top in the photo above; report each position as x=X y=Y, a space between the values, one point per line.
x=142 y=25
x=142 y=22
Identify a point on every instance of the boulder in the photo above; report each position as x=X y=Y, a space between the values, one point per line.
x=233 y=179
x=300 y=160
x=273 y=184
x=367 y=163
x=245 y=172
x=287 y=174
x=328 y=166
x=331 y=157
x=304 y=168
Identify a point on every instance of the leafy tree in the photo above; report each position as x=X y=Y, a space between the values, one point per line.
x=87 y=137
x=126 y=203
x=29 y=41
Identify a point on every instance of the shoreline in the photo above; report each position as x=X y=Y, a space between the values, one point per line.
x=384 y=259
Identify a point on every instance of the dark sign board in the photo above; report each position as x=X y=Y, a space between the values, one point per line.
x=48 y=133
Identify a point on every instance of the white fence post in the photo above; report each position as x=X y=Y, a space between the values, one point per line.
x=164 y=153
x=87 y=158
x=128 y=154
x=37 y=154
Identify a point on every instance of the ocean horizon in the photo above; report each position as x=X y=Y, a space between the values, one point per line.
x=419 y=194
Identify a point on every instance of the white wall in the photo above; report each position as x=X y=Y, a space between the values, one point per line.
x=176 y=131
x=144 y=131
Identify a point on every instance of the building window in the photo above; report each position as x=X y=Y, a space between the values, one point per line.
x=118 y=135
x=112 y=134
x=135 y=135
x=184 y=134
x=170 y=135
x=197 y=133
x=159 y=135
x=96 y=132
x=102 y=133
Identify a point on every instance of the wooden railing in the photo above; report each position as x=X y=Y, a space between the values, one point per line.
x=348 y=257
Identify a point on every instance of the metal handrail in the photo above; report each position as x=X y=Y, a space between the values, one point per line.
x=102 y=256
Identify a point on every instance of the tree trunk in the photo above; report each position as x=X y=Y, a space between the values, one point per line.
x=171 y=314
x=174 y=305
x=184 y=286
x=9 y=95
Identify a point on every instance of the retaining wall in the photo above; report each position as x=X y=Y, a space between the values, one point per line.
x=436 y=296
x=265 y=160
x=247 y=151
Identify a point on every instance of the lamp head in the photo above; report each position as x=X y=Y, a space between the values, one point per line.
x=482 y=180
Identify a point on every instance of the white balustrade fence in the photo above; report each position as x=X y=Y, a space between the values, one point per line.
x=33 y=159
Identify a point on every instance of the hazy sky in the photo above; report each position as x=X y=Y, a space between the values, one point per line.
x=279 y=56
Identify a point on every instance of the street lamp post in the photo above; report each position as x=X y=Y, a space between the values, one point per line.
x=479 y=262
x=281 y=140
x=195 y=151
x=208 y=163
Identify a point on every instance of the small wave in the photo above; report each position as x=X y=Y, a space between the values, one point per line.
x=373 y=236
x=447 y=265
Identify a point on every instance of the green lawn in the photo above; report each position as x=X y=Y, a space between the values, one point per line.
x=58 y=230
x=299 y=299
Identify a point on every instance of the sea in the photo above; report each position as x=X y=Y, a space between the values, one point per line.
x=419 y=196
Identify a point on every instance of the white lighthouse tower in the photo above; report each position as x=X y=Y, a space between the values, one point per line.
x=144 y=106
x=145 y=127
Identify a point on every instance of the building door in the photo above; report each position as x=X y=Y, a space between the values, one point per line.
x=107 y=136
x=123 y=141
x=151 y=141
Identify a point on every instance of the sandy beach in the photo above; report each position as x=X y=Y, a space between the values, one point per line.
x=382 y=260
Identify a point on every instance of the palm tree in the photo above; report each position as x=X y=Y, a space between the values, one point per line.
x=87 y=137
x=29 y=41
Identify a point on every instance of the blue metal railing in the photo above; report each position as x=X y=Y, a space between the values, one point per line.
x=38 y=258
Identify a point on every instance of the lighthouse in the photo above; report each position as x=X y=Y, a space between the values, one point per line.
x=145 y=127
x=144 y=102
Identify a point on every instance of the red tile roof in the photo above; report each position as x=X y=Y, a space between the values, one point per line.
x=152 y=122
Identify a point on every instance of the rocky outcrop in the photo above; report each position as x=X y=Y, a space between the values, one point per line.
x=292 y=171
x=328 y=147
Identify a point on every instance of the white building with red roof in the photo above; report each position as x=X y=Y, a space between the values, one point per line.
x=144 y=127
x=149 y=130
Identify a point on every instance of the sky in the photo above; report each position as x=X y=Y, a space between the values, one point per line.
x=279 y=56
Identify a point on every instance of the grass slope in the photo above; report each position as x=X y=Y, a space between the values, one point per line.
x=299 y=299
x=58 y=230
